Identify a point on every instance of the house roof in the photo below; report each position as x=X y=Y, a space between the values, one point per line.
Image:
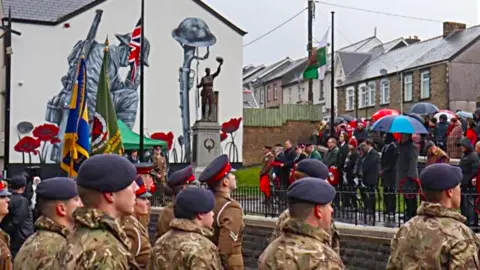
x=249 y=100
x=53 y=12
x=252 y=71
x=293 y=65
x=351 y=60
x=416 y=55
x=261 y=75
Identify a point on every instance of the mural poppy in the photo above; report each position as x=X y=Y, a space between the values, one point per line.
x=28 y=145
x=223 y=136
x=46 y=132
x=231 y=127
x=166 y=137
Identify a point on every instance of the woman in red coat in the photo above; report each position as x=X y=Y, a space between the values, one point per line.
x=471 y=134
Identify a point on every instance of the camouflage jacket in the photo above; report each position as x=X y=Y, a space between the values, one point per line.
x=39 y=251
x=283 y=218
x=301 y=247
x=98 y=242
x=435 y=239
x=163 y=224
x=140 y=244
x=185 y=246
x=5 y=254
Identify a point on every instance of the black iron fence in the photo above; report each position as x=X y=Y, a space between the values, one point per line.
x=374 y=206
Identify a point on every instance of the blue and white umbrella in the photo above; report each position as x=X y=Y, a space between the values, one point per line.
x=399 y=124
x=464 y=114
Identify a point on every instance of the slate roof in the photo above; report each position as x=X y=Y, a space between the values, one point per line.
x=415 y=55
x=252 y=71
x=260 y=76
x=352 y=60
x=53 y=12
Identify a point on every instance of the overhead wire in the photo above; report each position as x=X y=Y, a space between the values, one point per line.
x=275 y=28
x=378 y=12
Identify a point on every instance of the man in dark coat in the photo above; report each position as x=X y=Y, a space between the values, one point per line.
x=369 y=174
x=19 y=221
x=389 y=173
x=469 y=163
x=288 y=161
x=407 y=174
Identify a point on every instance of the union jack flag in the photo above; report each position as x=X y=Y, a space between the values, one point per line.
x=134 y=58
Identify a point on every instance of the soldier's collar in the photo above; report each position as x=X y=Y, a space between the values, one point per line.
x=223 y=194
x=299 y=227
x=47 y=224
x=437 y=210
x=190 y=226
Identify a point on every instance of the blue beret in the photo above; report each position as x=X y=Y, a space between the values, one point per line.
x=313 y=168
x=58 y=188
x=440 y=176
x=313 y=190
x=192 y=201
x=106 y=173
x=181 y=177
x=18 y=180
x=216 y=170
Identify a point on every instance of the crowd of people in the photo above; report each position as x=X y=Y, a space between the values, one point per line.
x=379 y=164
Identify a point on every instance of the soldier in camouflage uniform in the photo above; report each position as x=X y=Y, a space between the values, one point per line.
x=177 y=181
x=437 y=237
x=137 y=232
x=106 y=185
x=5 y=254
x=305 y=243
x=228 y=225
x=186 y=245
x=307 y=168
x=57 y=199
x=160 y=171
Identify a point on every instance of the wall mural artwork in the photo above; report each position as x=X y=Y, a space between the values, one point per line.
x=46 y=134
x=169 y=139
x=123 y=90
x=192 y=33
x=230 y=127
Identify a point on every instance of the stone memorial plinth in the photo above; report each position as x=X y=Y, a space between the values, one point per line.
x=206 y=145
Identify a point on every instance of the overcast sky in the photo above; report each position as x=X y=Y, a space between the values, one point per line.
x=259 y=16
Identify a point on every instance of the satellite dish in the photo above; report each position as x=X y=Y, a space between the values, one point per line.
x=339 y=82
x=24 y=127
x=383 y=72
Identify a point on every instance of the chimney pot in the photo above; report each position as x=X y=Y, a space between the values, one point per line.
x=450 y=27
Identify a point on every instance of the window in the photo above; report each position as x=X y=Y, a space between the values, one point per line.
x=385 y=92
x=262 y=96
x=349 y=98
x=372 y=92
x=275 y=94
x=269 y=97
x=425 y=84
x=408 y=88
x=299 y=93
x=290 y=95
x=322 y=90
x=363 y=94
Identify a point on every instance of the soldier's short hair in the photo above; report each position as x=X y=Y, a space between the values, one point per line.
x=433 y=196
x=90 y=198
x=299 y=209
x=47 y=207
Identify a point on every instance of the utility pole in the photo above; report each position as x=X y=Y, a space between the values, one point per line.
x=142 y=82
x=310 y=45
x=332 y=80
x=7 y=43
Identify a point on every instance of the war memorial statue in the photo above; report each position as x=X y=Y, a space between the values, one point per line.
x=207 y=93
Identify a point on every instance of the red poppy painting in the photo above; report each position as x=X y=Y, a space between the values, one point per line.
x=166 y=137
x=46 y=132
x=232 y=125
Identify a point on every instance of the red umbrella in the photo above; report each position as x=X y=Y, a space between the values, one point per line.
x=384 y=112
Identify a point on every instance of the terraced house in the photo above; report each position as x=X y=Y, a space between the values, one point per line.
x=444 y=70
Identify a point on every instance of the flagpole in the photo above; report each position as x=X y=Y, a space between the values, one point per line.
x=310 y=46
x=332 y=80
x=142 y=80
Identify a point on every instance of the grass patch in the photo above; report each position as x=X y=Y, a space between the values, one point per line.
x=248 y=176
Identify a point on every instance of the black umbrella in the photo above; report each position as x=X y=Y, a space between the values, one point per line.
x=416 y=116
x=347 y=117
x=423 y=108
x=339 y=120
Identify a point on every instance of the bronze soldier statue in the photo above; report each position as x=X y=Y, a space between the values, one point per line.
x=207 y=92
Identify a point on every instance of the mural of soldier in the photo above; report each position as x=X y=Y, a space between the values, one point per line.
x=123 y=90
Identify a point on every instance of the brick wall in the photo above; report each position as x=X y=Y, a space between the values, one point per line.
x=361 y=247
x=271 y=101
x=438 y=92
x=254 y=138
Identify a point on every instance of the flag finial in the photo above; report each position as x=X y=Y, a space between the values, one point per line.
x=106 y=43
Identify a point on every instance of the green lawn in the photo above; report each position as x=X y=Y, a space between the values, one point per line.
x=248 y=176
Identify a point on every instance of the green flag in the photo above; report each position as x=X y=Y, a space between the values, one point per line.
x=106 y=138
x=317 y=61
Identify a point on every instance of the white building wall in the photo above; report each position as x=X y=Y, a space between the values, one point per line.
x=40 y=61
